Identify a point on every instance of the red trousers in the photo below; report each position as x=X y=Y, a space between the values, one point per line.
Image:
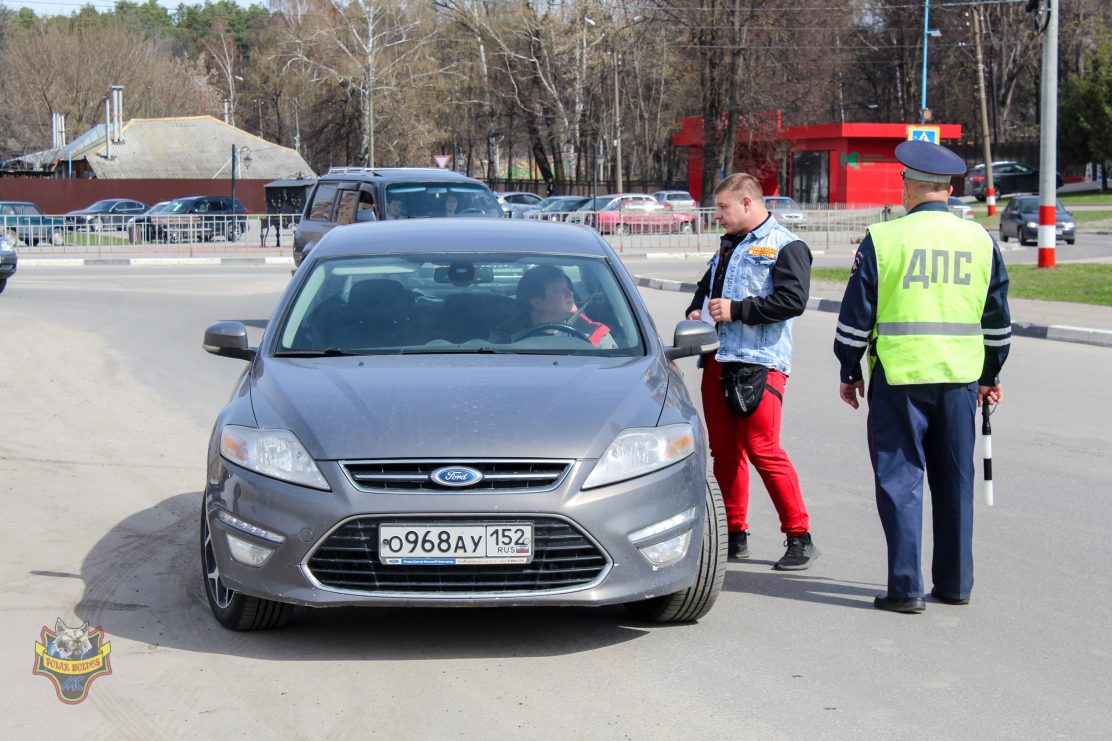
x=734 y=441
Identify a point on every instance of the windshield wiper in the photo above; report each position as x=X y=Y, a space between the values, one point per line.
x=451 y=350
x=331 y=352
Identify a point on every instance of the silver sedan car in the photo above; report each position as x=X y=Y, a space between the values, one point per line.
x=460 y=414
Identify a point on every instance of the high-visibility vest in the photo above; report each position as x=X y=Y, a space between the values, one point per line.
x=933 y=275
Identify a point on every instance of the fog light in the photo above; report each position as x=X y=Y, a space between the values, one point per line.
x=246 y=553
x=668 y=551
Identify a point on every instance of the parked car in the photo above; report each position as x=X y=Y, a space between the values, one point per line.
x=140 y=229
x=555 y=208
x=200 y=219
x=515 y=203
x=395 y=442
x=110 y=213
x=959 y=208
x=1008 y=177
x=22 y=222
x=675 y=199
x=786 y=211
x=9 y=261
x=413 y=193
x=1020 y=219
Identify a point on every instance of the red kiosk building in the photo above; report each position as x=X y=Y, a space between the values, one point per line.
x=840 y=163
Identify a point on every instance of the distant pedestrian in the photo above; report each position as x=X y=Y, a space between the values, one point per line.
x=756 y=285
x=550 y=188
x=928 y=299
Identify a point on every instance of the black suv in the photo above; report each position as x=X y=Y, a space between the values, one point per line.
x=346 y=195
x=199 y=219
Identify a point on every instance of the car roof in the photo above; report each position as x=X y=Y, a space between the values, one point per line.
x=460 y=235
x=392 y=174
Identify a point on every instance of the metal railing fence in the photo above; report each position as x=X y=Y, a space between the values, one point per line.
x=688 y=230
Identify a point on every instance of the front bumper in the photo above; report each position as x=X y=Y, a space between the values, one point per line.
x=604 y=517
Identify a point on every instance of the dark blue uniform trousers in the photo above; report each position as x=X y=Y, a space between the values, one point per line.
x=913 y=429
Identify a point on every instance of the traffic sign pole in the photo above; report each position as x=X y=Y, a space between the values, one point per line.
x=1048 y=138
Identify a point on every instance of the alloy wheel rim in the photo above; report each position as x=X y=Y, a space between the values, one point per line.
x=221 y=595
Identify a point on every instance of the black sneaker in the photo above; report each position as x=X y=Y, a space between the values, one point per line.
x=739 y=545
x=801 y=552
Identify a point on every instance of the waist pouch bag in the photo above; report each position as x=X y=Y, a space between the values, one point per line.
x=744 y=385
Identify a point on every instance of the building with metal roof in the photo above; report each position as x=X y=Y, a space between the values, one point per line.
x=187 y=147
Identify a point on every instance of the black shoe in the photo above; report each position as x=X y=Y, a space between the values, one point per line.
x=801 y=552
x=739 y=545
x=948 y=600
x=909 y=605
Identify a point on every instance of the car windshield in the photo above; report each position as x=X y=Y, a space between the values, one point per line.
x=431 y=200
x=102 y=205
x=561 y=203
x=177 y=207
x=781 y=203
x=160 y=207
x=460 y=302
x=596 y=204
x=1031 y=205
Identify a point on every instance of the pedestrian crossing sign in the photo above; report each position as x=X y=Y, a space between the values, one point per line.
x=932 y=134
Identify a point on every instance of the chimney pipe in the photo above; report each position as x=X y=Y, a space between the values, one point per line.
x=107 y=128
x=118 y=113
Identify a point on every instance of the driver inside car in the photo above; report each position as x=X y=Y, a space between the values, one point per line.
x=548 y=304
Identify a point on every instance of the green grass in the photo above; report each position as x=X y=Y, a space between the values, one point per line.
x=1079 y=283
x=1086 y=199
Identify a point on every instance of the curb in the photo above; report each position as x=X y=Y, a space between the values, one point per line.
x=71 y=262
x=1059 y=332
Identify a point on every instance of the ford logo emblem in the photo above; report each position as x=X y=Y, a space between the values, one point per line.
x=456 y=476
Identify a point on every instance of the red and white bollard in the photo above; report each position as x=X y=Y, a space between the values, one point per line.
x=990 y=198
x=1047 y=235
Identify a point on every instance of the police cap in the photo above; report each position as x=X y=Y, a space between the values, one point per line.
x=929 y=162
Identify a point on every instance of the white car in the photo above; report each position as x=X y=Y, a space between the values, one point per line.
x=959 y=208
x=786 y=211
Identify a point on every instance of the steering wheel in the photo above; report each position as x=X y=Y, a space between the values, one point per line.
x=558 y=326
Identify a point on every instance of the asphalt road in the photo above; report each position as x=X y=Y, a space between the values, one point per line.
x=108 y=405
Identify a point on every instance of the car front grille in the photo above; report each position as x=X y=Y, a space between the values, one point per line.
x=563 y=558
x=506 y=475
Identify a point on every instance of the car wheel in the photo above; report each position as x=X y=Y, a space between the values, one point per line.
x=687 y=228
x=695 y=601
x=232 y=234
x=621 y=229
x=1020 y=238
x=1003 y=235
x=1071 y=241
x=11 y=236
x=3 y=285
x=58 y=237
x=173 y=237
x=231 y=609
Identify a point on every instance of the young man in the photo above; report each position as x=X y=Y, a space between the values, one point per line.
x=756 y=285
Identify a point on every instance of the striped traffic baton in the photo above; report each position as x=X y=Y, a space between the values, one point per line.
x=986 y=434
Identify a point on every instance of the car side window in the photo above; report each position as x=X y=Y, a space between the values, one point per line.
x=323 y=200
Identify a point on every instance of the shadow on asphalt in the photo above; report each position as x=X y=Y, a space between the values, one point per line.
x=143 y=583
x=797 y=585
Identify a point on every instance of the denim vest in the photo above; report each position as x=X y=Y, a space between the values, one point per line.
x=749 y=273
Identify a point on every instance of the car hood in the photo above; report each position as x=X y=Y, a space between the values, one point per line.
x=457 y=406
x=1059 y=216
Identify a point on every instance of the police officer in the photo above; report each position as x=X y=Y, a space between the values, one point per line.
x=928 y=298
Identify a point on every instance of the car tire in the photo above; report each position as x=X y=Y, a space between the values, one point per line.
x=1071 y=241
x=232 y=234
x=1003 y=236
x=687 y=228
x=58 y=237
x=231 y=609
x=621 y=230
x=1020 y=238
x=3 y=285
x=12 y=236
x=695 y=601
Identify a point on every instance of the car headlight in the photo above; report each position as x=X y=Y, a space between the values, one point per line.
x=274 y=453
x=641 y=450
x=1032 y=225
x=1067 y=225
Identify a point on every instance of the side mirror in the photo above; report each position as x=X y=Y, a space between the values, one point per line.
x=228 y=340
x=692 y=338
